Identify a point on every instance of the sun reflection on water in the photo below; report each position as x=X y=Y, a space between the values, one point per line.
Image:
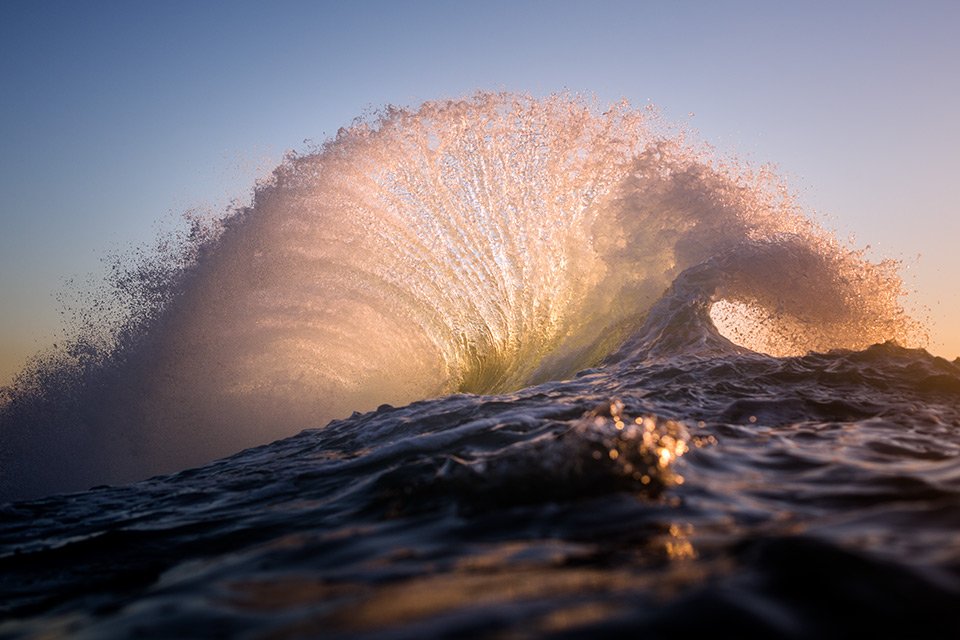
x=644 y=448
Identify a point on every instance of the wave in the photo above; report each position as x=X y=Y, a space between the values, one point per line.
x=478 y=245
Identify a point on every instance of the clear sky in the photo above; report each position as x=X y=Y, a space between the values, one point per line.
x=117 y=115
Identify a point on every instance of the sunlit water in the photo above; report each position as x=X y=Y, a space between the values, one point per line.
x=609 y=460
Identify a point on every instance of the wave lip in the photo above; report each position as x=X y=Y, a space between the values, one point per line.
x=783 y=297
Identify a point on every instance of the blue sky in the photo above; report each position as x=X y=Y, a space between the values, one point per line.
x=117 y=115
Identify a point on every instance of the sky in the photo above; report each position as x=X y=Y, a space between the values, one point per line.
x=116 y=117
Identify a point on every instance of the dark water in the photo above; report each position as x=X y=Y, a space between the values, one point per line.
x=597 y=458
x=816 y=496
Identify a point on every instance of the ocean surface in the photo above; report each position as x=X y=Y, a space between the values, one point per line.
x=498 y=367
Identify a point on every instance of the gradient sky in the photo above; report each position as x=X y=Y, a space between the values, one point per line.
x=115 y=116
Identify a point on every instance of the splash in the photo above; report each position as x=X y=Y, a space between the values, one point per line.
x=479 y=245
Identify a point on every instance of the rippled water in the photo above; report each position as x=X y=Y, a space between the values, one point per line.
x=816 y=496
x=634 y=470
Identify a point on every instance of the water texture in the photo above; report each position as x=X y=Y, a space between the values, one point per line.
x=631 y=387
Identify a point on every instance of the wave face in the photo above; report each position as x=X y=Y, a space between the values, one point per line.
x=481 y=246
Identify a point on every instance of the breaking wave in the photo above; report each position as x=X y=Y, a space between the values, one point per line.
x=479 y=245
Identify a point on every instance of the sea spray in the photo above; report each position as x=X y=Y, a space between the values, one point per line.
x=478 y=245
